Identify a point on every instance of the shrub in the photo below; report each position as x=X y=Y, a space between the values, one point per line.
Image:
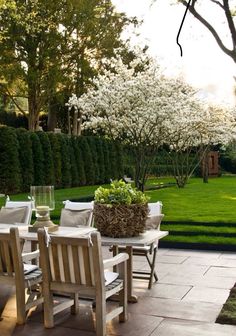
x=88 y=160
x=37 y=155
x=73 y=164
x=56 y=156
x=65 y=161
x=26 y=158
x=10 y=177
x=107 y=165
x=47 y=158
x=79 y=162
x=100 y=161
x=92 y=144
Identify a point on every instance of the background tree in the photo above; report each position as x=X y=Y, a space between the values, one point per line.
x=48 y=48
x=29 y=39
x=192 y=131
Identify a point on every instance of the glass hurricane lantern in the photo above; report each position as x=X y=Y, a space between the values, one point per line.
x=43 y=203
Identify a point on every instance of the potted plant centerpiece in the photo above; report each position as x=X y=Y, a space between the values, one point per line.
x=120 y=211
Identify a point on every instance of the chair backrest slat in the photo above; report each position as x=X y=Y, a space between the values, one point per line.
x=74 y=264
x=87 y=266
x=69 y=260
x=54 y=262
x=66 y=265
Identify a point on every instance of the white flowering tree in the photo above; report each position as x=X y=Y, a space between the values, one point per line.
x=133 y=107
x=192 y=132
x=145 y=110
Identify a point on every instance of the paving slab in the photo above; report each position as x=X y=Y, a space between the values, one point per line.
x=186 y=328
x=167 y=291
x=222 y=271
x=207 y=294
x=171 y=259
x=207 y=280
x=223 y=262
x=195 y=311
x=198 y=253
x=228 y=255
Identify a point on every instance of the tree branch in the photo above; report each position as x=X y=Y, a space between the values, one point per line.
x=218 y=3
x=230 y=53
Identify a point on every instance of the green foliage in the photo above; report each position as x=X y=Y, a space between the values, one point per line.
x=107 y=165
x=79 y=162
x=113 y=160
x=43 y=59
x=74 y=171
x=10 y=177
x=65 y=161
x=47 y=158
x=88 y=159
x=56 y=156
x=38 y=158
x=26 y=158
x=13 y=120
x=100 y=161
x=92 y=144
x=120 y=193
x=119 y=160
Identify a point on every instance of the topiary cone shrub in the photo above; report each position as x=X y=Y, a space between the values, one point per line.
x=120 y=211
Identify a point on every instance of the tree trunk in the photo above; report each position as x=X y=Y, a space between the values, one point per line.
x=33 y=118
x=52 y=116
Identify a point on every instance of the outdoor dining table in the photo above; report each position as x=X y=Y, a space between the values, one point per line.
x=144 y=239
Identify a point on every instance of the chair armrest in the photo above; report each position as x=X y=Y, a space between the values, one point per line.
x=30 y=255
x=119 y=258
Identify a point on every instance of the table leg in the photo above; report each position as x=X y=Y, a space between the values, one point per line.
x=131 y=297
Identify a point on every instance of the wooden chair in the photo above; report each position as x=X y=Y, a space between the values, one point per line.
x=13 y=272
x=77 y=214
x=75 y=266
x=149 y=252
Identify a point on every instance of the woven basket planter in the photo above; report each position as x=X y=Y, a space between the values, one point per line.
x=120 y=221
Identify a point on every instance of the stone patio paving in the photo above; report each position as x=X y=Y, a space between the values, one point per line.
x=192 y=287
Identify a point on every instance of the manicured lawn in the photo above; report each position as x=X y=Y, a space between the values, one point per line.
x=199 y=202
x=199 y=213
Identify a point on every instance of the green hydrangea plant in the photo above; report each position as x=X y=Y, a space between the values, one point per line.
x=120 y=193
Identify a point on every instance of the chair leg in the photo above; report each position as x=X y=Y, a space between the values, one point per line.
x=123 y=302
x=75 y=307
x=100 y=316
x=152 y=265
x=20 y=305
x=48 y=309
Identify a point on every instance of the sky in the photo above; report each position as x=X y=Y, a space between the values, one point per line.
x=203 y=64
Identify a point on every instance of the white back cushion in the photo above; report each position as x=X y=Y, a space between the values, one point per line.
x=81 y=207
x=155 y=209
x=20 y=204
